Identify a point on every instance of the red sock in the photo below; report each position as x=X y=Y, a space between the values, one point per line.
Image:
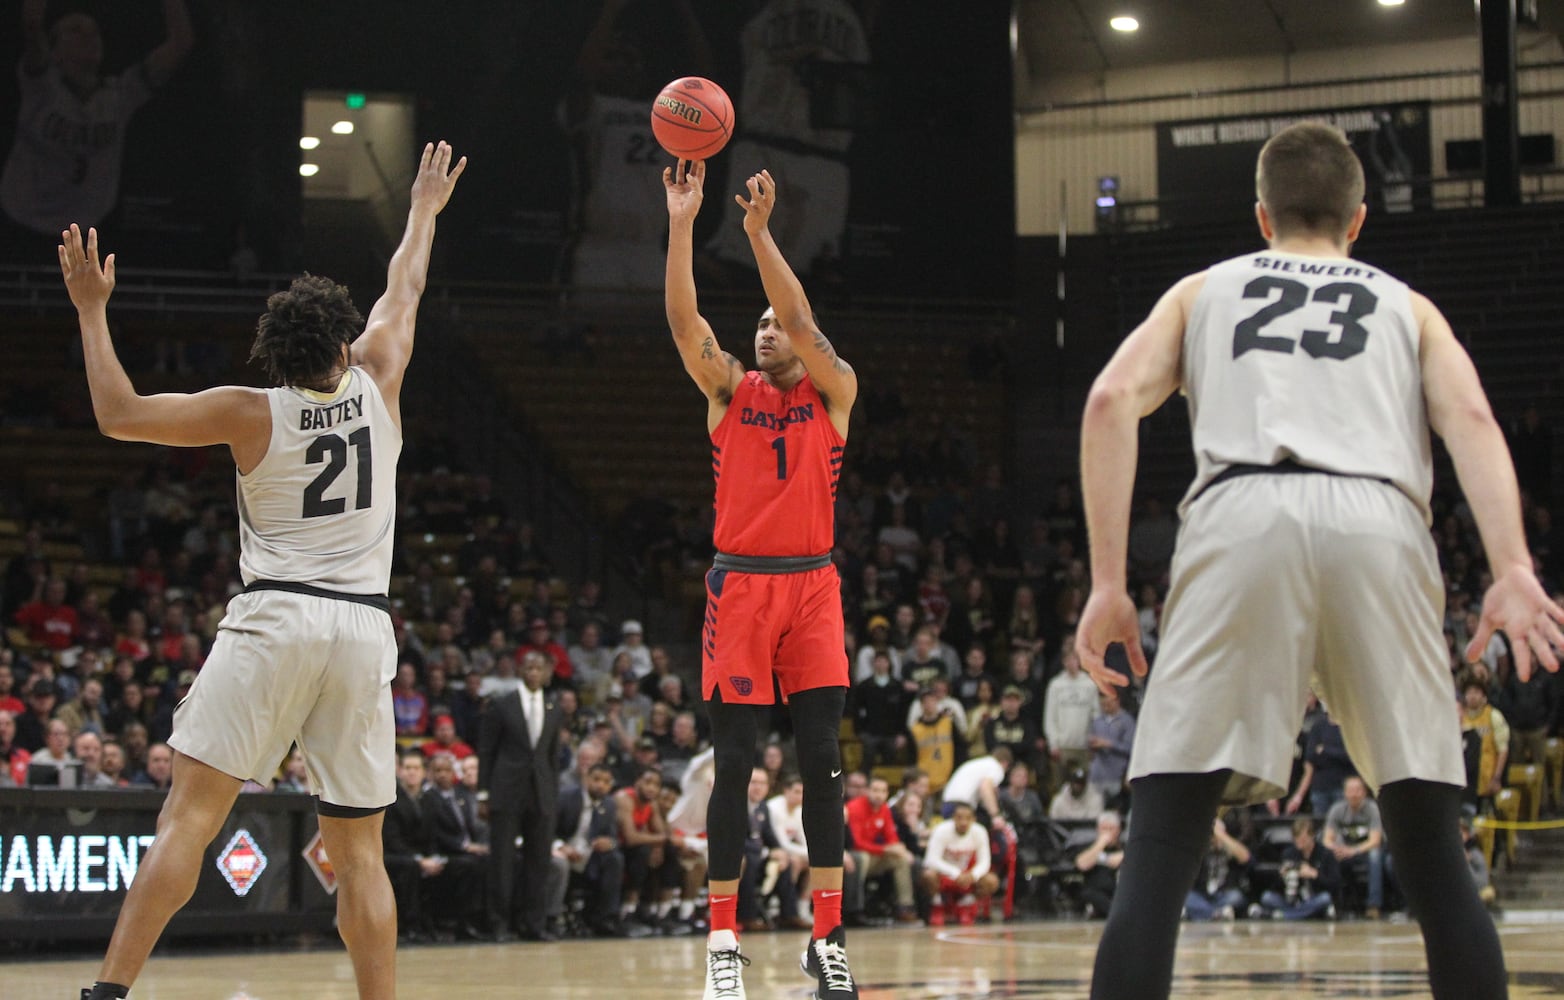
x=828 y=911
x=725 y=913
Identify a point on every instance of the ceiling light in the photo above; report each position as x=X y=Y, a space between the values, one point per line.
x=343 y=128
x=1391 y=3
x=309 y=169
x=1123 y=23
x=308 y=142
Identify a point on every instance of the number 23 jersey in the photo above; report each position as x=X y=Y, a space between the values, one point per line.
x=320 y=507
x=776 y=457
x=1313 y=359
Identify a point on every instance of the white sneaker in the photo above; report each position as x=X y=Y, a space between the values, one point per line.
x=724 y=967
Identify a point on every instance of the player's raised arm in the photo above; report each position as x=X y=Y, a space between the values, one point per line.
x=230 y=415
x=1143 y=372
x=1458 y=411
x=387 y=341
x=834 y=377
x=165 y=59
x=714 y=370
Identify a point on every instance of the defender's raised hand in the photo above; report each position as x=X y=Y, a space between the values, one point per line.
x=1517 y=605
x=88 y=283
x=436 y=177
x=762 y=199
x=686 y=186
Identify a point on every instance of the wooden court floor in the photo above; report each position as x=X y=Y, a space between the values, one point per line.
x=1023 y=961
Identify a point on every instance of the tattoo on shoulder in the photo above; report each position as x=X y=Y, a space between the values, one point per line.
x=824 y=347
x=709 y=348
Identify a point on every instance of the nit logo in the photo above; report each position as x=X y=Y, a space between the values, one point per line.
x=241 y=862
x=315 y=856
x=743 y=685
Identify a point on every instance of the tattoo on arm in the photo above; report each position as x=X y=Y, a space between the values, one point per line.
x=709 y=349
x=824 y=347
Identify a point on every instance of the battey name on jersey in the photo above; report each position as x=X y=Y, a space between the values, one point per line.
x=322 y=417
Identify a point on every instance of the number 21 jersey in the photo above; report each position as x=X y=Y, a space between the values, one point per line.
x=1312 y=359
x=320 y=508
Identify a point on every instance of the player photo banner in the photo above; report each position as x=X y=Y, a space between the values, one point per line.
x=1205 y=166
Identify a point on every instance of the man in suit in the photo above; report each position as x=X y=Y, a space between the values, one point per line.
x=588 y=833
x=518 y=751
x=408 y=846
x=446 y=809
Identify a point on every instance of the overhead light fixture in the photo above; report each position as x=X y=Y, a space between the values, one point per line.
x=1391 y=3
x=309 y=169
x=1124 y=23
x=343 y=128
x=308 y=142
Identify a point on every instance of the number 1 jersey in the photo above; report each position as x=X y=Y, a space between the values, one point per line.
x=320 y=508
x=776 y=457
x=1312 y=359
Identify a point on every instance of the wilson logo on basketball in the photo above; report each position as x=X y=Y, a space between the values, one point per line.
x=743 y=685
x=241 y=862
x=688 y=112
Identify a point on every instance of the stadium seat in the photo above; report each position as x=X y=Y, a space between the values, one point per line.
x=1507 y=807
x=1553 y=769
x=1528 y=779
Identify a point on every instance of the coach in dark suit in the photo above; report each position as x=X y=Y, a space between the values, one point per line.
x=518 y=753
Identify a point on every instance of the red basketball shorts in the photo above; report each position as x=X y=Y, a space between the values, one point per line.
x=760 y=626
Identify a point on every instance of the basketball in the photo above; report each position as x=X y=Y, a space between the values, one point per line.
x=692 y=118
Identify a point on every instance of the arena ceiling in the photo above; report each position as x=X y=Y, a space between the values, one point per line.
x=1062 y=37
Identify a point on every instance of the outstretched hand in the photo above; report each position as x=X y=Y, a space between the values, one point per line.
x=762 y=199
x=436 y=177
x=88 y=283
x=686 y=187
x=1517 y=605
x=1109 y=617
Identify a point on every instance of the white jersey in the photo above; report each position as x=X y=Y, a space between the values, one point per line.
x=950 y=853
x=1309 y=359
x=969 y=777
x=64 y=163
x=775 y=100
x=622 y=179
x=320 y=508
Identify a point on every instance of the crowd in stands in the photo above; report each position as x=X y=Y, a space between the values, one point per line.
x=976 y=749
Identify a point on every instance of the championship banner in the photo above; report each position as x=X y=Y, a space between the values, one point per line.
x=1205 y=166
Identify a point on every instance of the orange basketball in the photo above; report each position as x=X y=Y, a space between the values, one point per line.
x=692 y=118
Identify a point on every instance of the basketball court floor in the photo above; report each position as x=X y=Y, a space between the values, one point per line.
x=1023 y=961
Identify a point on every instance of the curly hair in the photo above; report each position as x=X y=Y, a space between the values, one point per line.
x=300 y=336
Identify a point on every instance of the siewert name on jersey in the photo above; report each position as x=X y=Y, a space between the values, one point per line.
x=1307 y=267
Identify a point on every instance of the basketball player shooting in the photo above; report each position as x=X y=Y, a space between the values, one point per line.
x=1313 y=383
x=306 y=653
x=773 y=604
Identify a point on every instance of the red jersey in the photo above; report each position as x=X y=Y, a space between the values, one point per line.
x=776 y=457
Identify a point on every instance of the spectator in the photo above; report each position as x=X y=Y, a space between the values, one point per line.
x=56 y=753
x=9 y=702
x=31 y=726
x=877 y=848
x=974 y=671
x=1076 y=799
x=1026 y=674
x=448 y=810
x=446 y=741
x=135 y=738
x=957 y=868
x=505 y=680
x=1326 y=767
x=879 y=629
x=977 y=782
x=1070 y=705
x=13 y=758
x=113 y=766
x=1016 y=732
x=787 y=822
x=408 y=703
x=879 y=714
x=947 y=705
x=1019 y=801
x=938 y=742
x=1355 y=836
x=1486 y=735
x=633 y=641
x=591 y=662
x=48 y=621
x=295 y=775
x=767 y=869
x=643 y=837
x=588 y=848
x=683 y=744
x=1309 y=879
x=1110 y=738
x=87 y=748
x=410 y=857
x=925 y=662
x=983 y=710
x=912 y=826
x=85 y=712
x=1100 y=864
x=1218 y=892
x=160 y=767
